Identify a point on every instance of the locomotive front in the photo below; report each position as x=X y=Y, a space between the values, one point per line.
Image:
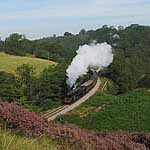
x=80 y=90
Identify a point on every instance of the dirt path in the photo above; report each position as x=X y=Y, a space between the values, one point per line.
x=77 y=103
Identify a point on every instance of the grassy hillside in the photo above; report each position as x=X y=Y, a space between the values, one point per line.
x=9 y=63
x=107 y=112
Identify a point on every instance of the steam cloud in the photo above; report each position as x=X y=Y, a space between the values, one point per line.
x=94 y=55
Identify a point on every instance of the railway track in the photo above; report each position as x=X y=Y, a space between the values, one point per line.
x=54 y=112
x=66 y=108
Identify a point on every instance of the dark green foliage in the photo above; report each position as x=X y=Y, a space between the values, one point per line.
x=14 y=44
x=113 y=88
x=36 y=93
x=8 y=87
x=132 y=58
x=68 y=34
x=2 y=45
x=26 y=80
x=50 y=87
x=145 y=81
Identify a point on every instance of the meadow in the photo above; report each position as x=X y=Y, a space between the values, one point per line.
x=9 y=63
x=106 y=112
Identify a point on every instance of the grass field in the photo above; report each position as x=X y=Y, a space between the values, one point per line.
x=9 y=63
x=128 y=112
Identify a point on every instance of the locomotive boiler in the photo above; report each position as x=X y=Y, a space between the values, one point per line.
x=80 y=90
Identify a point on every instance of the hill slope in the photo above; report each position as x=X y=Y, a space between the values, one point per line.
x=9 y=63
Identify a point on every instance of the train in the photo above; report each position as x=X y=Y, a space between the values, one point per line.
x=77 y=92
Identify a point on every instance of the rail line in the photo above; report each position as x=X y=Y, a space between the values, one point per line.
x=66 y=108
x=57 y=110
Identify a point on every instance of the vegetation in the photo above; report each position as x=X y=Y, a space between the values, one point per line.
x=9 y=63
x=26 y=123
x=31 y=124
x=68 y=137
x=33 y=83
x=129 y=112
x=129 y=70
x=11 y=141
x=35 y=93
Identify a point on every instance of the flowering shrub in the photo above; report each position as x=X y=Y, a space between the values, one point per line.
x=91 y=140
x=17 y=117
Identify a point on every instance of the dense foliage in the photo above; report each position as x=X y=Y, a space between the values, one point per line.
x=131 y=66
x=34 y=92
x=16 y=117
x=8 y=86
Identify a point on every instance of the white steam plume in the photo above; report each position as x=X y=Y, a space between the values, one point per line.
x=94 y=55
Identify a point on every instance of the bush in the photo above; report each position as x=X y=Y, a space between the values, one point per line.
x=113 y=89
x=25 y=122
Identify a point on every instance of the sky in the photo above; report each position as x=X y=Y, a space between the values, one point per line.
x=43 y=18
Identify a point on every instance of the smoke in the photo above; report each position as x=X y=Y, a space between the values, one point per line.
x=93 y=55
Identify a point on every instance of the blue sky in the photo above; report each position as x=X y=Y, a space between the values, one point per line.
x=42 y=18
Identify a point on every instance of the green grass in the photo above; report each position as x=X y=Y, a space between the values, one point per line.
x=128 y=112
x=9 y=63
x=10 y=141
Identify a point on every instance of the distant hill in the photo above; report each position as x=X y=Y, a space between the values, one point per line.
x=9 y=63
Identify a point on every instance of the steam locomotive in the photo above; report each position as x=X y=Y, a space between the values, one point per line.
x=76 y=93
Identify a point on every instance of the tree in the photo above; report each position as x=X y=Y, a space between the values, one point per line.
x=105 y=26
x=26 y=80
x=13 y=44
x=15 y=37
x=120 y=28
x=68 y=34
x=8 y=87
x=2 y=46
x=82 y=32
